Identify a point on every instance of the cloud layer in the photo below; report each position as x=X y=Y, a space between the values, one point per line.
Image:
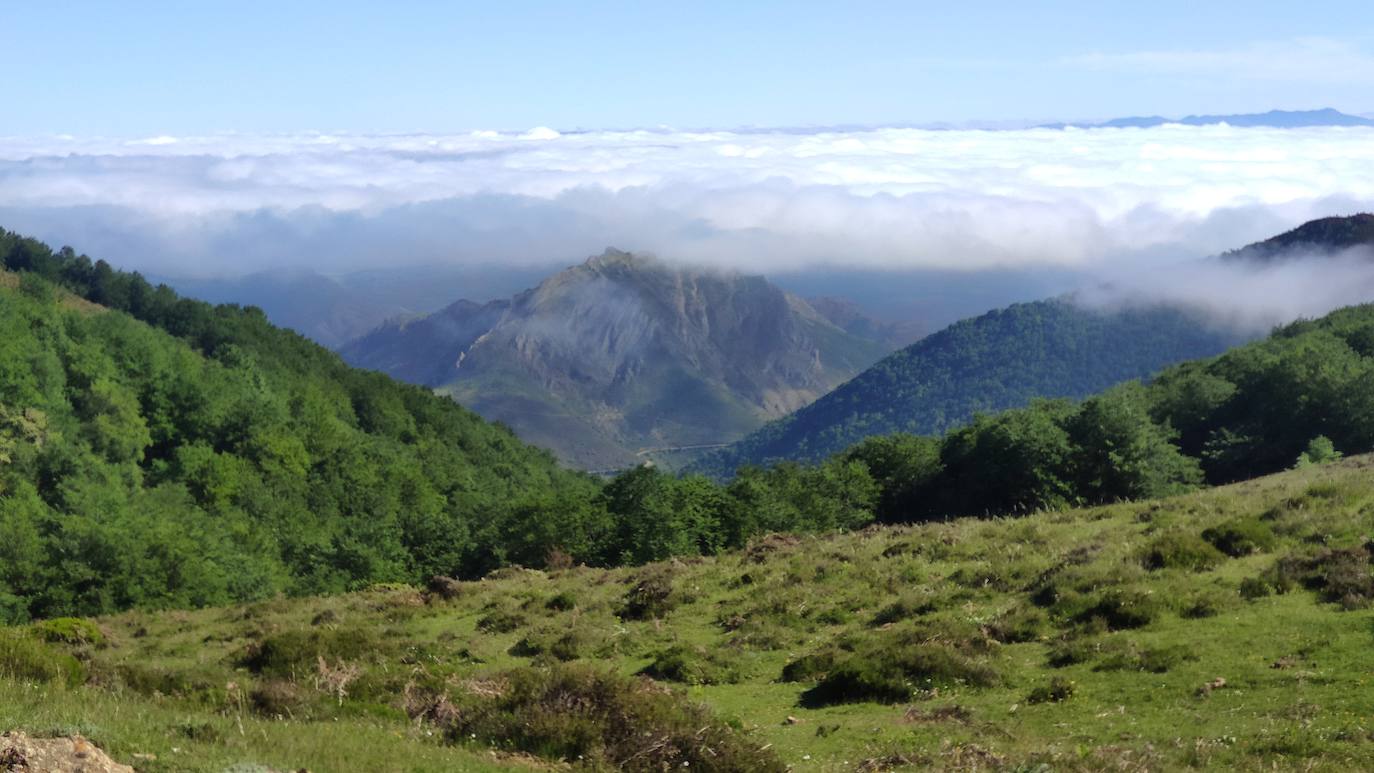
x=759 y=200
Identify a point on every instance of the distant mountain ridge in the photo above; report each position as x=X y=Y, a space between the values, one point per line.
x=1005 y=358
x=1279 y=119
x=609 y=360
x=1328 y=235
x=1002 y=359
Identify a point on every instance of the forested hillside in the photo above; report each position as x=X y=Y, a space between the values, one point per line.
x=208 y=456
x=1000 y=360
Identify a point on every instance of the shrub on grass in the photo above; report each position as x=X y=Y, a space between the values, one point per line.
x=1241 y=537
x=892 y=674
x=651 y=594
x=561 y=602
x=812 y=667
x=203 y=686
x=692 y=665
x=1181 y=550
x=1019 y=624
x=294 y=653
x=1073 y=650
x=905 y=608
x=1058 y=690
x=26 y=658
x=601 y=719
x=279 y=698
x=1342 y=576
x=1129 y=656
x=70 y=630
x=1252 y=588
x=1208 y=602
x=498 y=619
x=1121 y=608
x=561 y=643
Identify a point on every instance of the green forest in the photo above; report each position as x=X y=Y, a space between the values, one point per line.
x=160 y=452
x=1002 y=359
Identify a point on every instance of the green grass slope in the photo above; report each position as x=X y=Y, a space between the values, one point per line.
x=1228 y=628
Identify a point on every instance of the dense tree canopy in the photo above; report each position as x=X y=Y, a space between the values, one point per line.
x=1000 y=360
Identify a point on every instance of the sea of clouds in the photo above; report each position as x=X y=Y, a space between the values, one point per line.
x=755 y=199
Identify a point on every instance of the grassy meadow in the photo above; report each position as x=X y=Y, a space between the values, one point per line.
x=1228 y=628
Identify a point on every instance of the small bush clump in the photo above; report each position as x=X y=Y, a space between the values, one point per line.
x=1241 y=537
x=1128 y=656
x=1341 y=575
x=26 y=658
x=559 y=643
x=70 y=630
x=1181 y=550
x=561 y=602
x=905 y=608
x=893 y=674
x=651 y=594
x=1020 y=624
x=692 y=665
x=601 y=719
x=1121 y=608
x=500 y=620
x=812 y=667
x=294 y=653
x=1058 y=690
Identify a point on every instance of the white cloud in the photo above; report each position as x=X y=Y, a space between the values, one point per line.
x=759 y=200
x=1246 y=297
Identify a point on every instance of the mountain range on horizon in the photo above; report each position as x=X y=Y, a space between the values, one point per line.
x=1277 y=119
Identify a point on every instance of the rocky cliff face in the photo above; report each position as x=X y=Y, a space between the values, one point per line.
x=609 y=360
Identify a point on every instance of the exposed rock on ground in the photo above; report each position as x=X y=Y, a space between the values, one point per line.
x=20 y=753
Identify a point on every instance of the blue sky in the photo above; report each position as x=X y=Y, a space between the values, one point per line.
x=134 y=68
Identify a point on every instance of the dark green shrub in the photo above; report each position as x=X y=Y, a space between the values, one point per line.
x=810 y=668
x=651 y=594
x=1071 y=651
x=26 y=658
x=70 y=630
x=1208 y=602
x=1121 y=608
x=1128 y=656
x=692 y=665
x=500 y=620
x=906 y=608
x=1340 y=575
x=561 y=643
x=893 y=674
x=1241 y=537
x=1058 y=690
x=206 y=687
x=1020 y=624
x=561 y=602
x=1181 y=550
x=605 y=720
x=1252 y=588
x=279 y=698
x=295 y=653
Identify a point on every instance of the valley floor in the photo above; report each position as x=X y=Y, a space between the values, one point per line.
x=1228 y=628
